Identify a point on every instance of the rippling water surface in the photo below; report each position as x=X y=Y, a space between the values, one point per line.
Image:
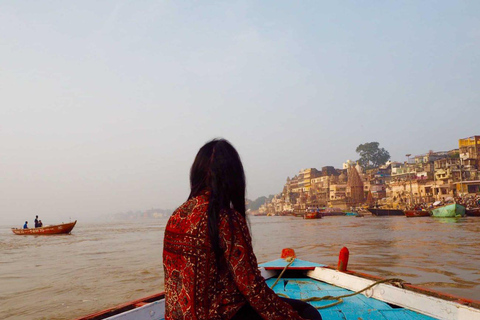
x=102 y=265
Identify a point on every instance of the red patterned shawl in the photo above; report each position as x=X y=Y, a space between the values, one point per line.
x=199 y=287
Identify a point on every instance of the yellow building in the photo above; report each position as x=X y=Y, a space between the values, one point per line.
x=469 y=149
x=305 y=177
x=469 y=175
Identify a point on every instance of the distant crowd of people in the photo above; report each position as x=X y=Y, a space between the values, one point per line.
x=469 y=201
x=38 y=223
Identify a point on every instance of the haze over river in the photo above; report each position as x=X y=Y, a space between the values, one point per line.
x=104 y=264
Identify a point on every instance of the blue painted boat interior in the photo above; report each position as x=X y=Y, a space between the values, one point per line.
x=352 y=308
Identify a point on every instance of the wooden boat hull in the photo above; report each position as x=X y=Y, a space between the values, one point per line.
x=64 y=228
x=474 y=212
x=333 y=213
x=305 y=279
x=312 y=215
x=386 y=212
x=417 y=213
x=449 y=211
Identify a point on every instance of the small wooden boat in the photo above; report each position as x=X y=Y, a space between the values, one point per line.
x=449 y=211
x=417 y=213
x=346 y=295
x=473 y=212
x=63 y=228
x=312 y=215
x=386 y=212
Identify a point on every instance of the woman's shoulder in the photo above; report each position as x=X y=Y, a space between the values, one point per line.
x=189 y=218
x=194 y=205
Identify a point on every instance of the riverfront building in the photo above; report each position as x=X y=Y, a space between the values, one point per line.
x=423 y=178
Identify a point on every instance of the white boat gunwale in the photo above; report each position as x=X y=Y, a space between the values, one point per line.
x=423 y=303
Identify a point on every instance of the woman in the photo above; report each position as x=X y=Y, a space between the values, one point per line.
x=210 y=269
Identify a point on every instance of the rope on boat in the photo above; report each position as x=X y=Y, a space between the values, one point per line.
x=290 y=261
x=338 y=299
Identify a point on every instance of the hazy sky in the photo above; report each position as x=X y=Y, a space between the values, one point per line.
x=104 y=104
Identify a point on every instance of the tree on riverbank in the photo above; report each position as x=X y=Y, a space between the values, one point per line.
x=371 y=156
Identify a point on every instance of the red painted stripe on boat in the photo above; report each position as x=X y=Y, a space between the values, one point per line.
x=123 y=307
x=289 y=268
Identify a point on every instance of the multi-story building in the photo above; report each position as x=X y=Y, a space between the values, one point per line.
x=338 y=187
x=320 y=188
x=377 y=180
x=469 y=150
x=305 y=177
x=430 y=157
x=469 y=174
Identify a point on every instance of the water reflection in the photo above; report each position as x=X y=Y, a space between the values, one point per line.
x=450 y=220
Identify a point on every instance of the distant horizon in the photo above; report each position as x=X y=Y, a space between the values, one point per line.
x=106 y=215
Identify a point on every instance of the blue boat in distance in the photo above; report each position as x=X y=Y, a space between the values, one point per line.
x=353 y=214
x=449 y=211
x=350 y=295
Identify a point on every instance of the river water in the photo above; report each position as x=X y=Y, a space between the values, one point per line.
x=104 y=264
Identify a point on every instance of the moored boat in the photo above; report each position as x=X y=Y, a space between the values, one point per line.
x=337 y=295
x=63 y=228
x=330 y=212
x=386 y=212
x=449 y=211
x=312 y=215
x=473 y=212
x=417 y=213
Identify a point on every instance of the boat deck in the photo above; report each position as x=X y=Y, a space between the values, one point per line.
x=352 y=308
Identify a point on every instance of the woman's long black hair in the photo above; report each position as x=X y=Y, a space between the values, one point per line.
x=218 y=169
